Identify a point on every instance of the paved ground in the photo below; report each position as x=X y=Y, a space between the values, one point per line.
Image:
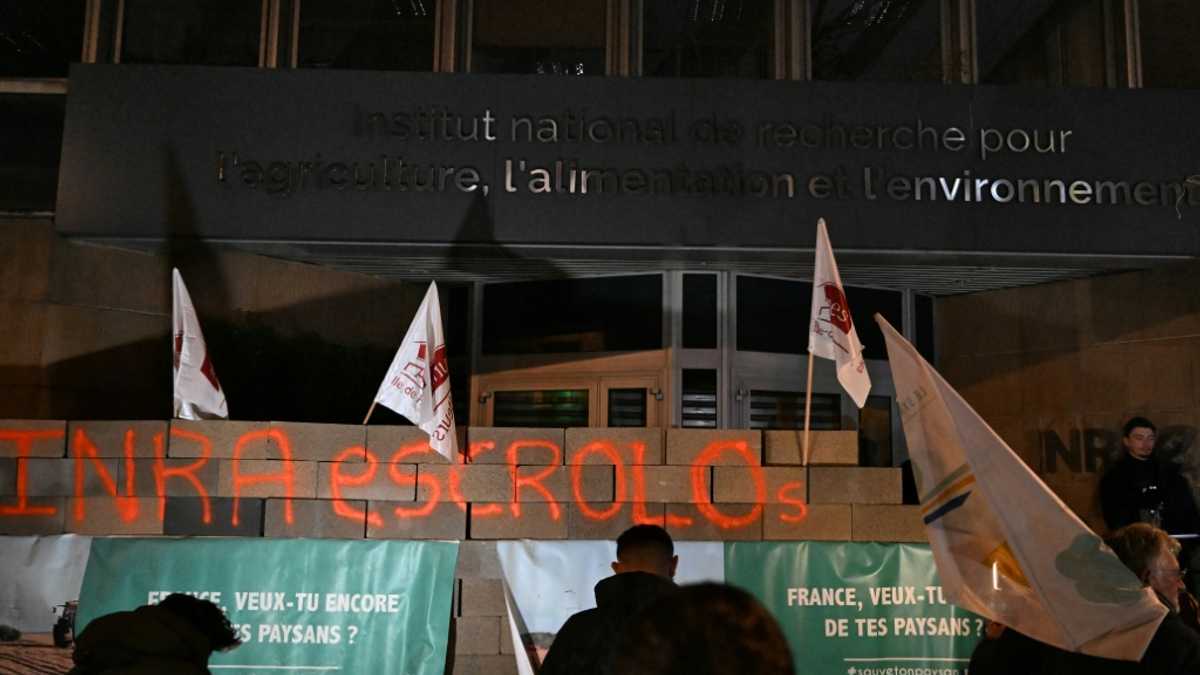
x=34 y=655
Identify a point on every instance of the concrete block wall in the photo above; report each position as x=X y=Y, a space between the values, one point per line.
x=285 y=479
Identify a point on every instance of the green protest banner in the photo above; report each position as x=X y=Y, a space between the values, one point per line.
x=299 y=605
x=857 y=609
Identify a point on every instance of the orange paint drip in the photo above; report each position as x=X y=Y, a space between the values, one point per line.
x=404 y=480
x=83 y=449
x=639 y=515
x=606 y=449
x=286 y=476
x=800 y=503
x=533 y=481
x=25 y=439
x=188 y=473
x=478 y=448
x=338 y=480
x=700 y=485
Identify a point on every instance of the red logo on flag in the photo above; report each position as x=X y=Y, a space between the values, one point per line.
x=839 y=312
x=439 y=368
x=206 y=366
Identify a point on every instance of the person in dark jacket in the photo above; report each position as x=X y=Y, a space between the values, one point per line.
x=589 y=641
x=1004 y=651
x=1175 y=648
x=1153 y=556
x=174 y=637
x=1141 y=488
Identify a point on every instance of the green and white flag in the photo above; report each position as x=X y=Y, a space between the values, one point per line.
x=1007 y=547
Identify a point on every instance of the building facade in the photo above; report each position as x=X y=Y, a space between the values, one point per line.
x=619 y=197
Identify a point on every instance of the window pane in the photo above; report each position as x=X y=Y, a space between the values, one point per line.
x=785 y=410
x=549 y=408
x=201 y=32
x=573 y=315
x=626 y=407
x=864 y=304
x=699 y=398
x=700 y=311
x=1170 y=50
x=1031 y=46
x=877 y=40
x=378 y=35
x=772 y=315
x=707 y=38
x=546 y=37
x=875 y=432
x=39 y=38
x=29 y=150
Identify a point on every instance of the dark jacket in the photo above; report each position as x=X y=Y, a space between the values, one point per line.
x=1008 y=654
x=589 y=641
x=1133 y=490
x=1174 y=650
x=147 y=641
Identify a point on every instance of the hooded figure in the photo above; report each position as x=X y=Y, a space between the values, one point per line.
x=175 y=636
x=590 y=641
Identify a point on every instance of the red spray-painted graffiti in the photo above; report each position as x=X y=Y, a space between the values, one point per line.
x=357 y=468
x=24 y=440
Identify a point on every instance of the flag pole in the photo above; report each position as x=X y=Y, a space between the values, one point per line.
x=807 y=405
x=369 y=411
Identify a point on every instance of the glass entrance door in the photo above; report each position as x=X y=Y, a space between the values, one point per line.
x=769 y=361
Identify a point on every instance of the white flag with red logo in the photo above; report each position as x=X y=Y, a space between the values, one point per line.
x=418 y=383
x=198 y=393
x=831 y=333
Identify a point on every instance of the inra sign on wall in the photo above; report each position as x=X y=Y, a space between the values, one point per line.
x=1083 y=449
x=128 y=471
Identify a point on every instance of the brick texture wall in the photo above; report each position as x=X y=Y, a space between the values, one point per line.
x=283 y=479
